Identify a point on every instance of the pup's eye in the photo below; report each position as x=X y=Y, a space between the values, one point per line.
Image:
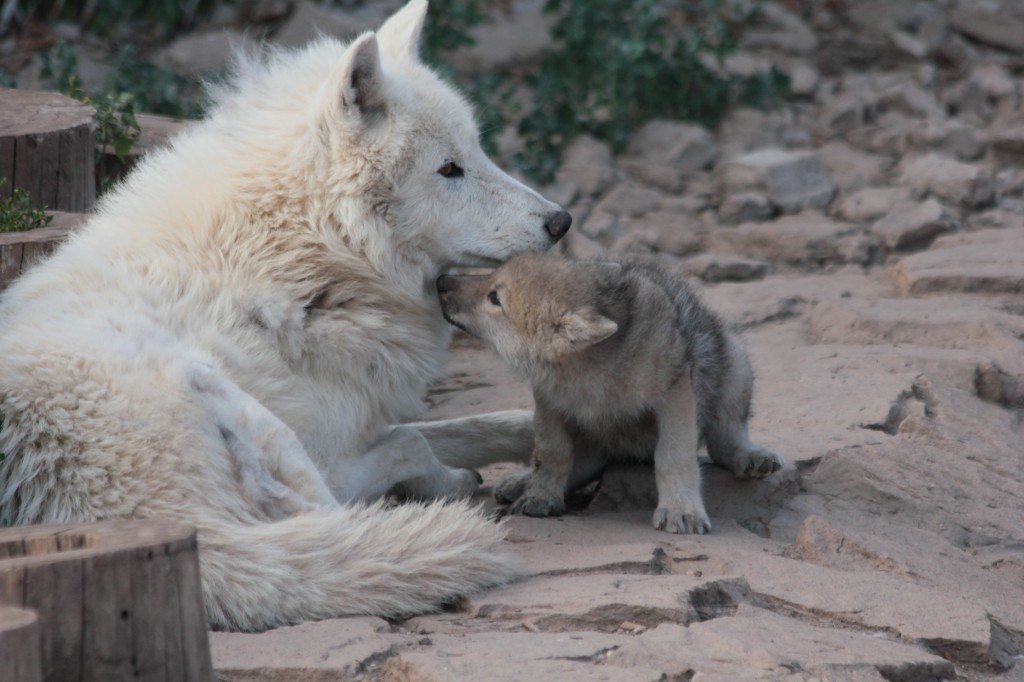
x=492 y=298
x=450 y=169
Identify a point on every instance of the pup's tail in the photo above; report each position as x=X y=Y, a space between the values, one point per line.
x=354 y=560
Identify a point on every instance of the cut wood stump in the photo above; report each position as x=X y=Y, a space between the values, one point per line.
x=19 y=645
x=116 y=600
x=46 y=149
x=20 y=250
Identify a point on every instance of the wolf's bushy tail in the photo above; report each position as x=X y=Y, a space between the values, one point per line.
x=353 y=560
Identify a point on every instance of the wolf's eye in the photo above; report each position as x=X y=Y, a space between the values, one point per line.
x=450 y=169
x=492 y=298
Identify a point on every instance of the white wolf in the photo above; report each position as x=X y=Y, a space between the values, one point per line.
x=229 y=339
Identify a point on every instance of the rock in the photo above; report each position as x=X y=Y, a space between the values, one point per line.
x=628 y=200
x=673 y=233
x=1008 y=143
x=743 y=207
x=310 y=20
x=199 y=54
x=515 y=33
x=988 y=261
x=803 y=78
x=743 y=130
x=845 y=112
x=992 y=28
x=659 y=176
x=911 y=99
x=685 y=146
x=969 y=185
x=850 y=168
x=588 y=164
x=712 y=268
x=950 y=137
x=782 y=30
x=818 y=542
x=792 y=180
x=996 y=218
x=721 y=648
x=579 y=245
x=599 y=225
x=809 y=238
x=913 y=225
x=870 y=203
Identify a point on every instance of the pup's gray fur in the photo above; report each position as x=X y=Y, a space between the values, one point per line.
x=625 y=362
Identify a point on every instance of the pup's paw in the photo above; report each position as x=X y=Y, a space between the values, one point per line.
x=682 y=520
x=757 y=462
x=529 y=505
x=512 y=486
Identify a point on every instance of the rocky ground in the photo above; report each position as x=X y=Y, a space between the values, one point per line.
x=868 y=238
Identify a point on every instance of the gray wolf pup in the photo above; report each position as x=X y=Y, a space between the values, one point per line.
x=625 y=361
x=235 y=338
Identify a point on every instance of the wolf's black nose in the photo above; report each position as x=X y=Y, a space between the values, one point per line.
x=557 y=224
x=444 y=284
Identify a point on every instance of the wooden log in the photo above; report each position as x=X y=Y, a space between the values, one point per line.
x=20 y=250
x=46 y=148
x=19 y=645
x=115 y=600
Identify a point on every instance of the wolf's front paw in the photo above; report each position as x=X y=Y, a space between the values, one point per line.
x=464 y=483
x=682 y=520
x=512 y=486
x=529 y=505
x=757 y=462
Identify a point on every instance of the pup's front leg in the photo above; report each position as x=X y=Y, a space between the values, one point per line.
x=552 y=464
x=677 y=472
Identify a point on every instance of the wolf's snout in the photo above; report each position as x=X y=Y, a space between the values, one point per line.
x=557 y=224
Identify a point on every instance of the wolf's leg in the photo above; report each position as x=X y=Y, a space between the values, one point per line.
x=401 y=456
x=275 y=468
x=727 y=439
x=473 y=442
x=676 y=470
x=544 y=493
x=586 y=467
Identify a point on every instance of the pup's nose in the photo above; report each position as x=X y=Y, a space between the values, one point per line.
x=557 y=224
x=445 y=284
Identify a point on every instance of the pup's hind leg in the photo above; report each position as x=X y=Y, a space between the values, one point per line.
x=676 y=470
x=726 y=434
x=586 y=467
x=274 y=467
x=402 y=456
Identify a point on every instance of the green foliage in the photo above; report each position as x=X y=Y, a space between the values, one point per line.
x=618 y=63
x=155 y=89
x=116 y=124
x=18 y=213
x=115 y=18
x=447 y=28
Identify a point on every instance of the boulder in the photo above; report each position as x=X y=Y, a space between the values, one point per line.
x=809 y=238
x=966 y=184
x=629 y=200
x=202 y=53
x=914 y=225
x=673 y=233
x=744 y=207
x=988 y=261
x=870 y=203
x=792 y=180
x=715 y=268
x=685 y=146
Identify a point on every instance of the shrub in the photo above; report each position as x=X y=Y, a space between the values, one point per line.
x=17 y=214
x=615 y=64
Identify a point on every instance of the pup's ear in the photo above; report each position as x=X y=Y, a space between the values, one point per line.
x=400 y=34
x=586 y=326
x=360 y=80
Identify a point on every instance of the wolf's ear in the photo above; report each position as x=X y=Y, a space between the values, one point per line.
x=400 y=34
x=586 y=326
x=360 y=80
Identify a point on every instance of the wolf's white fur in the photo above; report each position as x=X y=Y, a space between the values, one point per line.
x=228 y=339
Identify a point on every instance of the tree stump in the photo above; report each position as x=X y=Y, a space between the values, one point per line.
x=20 y=250
x=116 y=600
x=19 y=645
x=46 y=149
